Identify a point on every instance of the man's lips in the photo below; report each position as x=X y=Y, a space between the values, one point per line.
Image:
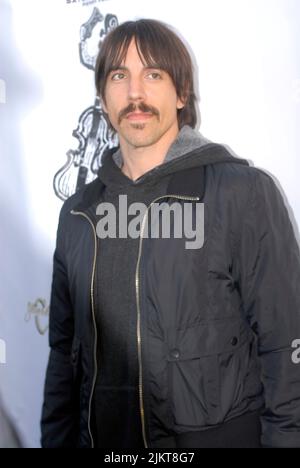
x=139 y=116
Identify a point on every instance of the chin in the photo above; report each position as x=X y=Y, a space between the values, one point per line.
x=143 y=140
x=140 y=136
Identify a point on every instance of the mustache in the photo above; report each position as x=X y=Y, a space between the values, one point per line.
x=142 y=107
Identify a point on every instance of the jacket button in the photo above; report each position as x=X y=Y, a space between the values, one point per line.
x=234 y=341
x=175 y=353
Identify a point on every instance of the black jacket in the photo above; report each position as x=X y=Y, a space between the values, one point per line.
x=215 y=325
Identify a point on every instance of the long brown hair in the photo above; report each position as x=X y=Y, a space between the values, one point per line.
x=158 y=45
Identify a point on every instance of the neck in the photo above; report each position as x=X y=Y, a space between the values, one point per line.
x=137 y=160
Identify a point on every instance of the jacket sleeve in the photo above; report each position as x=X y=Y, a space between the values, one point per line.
x=269 y=282
x=59 y=423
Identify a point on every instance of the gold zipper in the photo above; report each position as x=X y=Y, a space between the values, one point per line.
x=137 y=284
x=75 y=213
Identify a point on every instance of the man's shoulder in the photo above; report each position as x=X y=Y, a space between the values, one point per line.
x=234 y=171
x=242 y=180
x=82 y=196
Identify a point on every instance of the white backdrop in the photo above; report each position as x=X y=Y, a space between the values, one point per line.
x=248 y=56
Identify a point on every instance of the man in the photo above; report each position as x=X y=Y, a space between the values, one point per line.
x=154 y=344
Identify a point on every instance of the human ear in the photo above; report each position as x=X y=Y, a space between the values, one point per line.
x=181 y=103
x=103 y=105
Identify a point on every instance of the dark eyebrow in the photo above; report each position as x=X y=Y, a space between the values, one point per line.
x=148 y=67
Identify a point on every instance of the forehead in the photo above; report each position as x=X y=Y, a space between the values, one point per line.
x=132 y=52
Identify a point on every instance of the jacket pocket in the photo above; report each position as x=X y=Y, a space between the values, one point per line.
x=204 y=361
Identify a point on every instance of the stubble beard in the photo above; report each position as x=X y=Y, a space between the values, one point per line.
x=139 y=140
x=136 y=137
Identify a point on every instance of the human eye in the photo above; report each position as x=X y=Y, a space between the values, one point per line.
x=155 y=75
x=117 y=76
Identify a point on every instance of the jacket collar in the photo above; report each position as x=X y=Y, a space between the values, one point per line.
x=186 y=182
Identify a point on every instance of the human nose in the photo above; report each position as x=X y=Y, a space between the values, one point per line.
x=136 y=89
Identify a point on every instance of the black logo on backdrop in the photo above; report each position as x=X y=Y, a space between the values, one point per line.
x=84 y=2
x=92 y=133
x=39 y=310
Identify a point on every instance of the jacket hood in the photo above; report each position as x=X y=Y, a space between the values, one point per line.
x=184 y=153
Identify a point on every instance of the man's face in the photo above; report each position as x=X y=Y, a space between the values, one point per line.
x=141 y=102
